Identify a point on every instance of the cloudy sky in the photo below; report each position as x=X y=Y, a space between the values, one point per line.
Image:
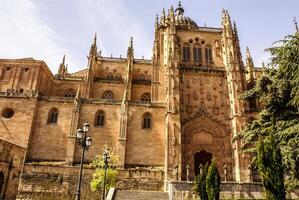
x=48 y=29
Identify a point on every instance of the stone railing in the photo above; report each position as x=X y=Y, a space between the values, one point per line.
x=229 y=190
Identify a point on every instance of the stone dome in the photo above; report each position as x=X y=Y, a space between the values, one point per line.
x=182 y=20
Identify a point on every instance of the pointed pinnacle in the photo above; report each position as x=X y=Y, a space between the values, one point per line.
x=248 y=55
x=156 y=22
x=131 y=42
x=95 y=39
x=63 y=60
x=296 y=24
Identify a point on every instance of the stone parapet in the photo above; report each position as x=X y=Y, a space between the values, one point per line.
x=229 y=190
x=49 y=178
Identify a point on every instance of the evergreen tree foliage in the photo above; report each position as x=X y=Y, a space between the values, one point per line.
x=200 y=184
x=278 y=94
x=270 y=168
x=213 y=182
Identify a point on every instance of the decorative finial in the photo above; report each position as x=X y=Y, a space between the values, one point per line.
x=179 y=10
x=296 y=24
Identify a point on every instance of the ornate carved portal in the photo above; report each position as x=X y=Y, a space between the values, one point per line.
x=203 y=139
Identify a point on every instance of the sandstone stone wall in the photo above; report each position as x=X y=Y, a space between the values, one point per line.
x=11 y=161
x=49 y=180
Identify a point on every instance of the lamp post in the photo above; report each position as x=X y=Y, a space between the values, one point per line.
x=106 y=158
x=85 y=142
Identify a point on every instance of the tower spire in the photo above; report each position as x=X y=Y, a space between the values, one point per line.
x=249 y=65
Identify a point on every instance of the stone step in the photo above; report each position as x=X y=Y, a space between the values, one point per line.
x=140 y=195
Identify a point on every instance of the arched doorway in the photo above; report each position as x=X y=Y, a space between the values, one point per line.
x=1 y=181
x=201 y=158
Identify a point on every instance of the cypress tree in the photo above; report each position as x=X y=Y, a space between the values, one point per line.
x=271 y=169
x=213 y=182
x=200 y=184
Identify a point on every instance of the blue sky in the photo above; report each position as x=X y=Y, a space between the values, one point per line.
x=48 y=29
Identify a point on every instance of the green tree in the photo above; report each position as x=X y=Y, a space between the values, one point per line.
x=278 y=94
x=213 y=182
x=200 y=184
x=270 y=168
x=97 y=180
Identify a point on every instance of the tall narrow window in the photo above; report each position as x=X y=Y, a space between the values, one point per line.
x=186 y=52
x=197 y=55
x=1 y=180
x=146 y=97
x=209 y=54
x=53 y=116
x=147 y=121
x=108 y=95
x=100 y=118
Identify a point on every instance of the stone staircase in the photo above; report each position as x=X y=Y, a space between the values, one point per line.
x=139 y=195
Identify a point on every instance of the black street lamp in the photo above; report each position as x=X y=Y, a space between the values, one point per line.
x=106 y=158
x=85 y=142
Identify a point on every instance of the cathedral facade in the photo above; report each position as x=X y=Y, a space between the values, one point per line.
x=174 y=112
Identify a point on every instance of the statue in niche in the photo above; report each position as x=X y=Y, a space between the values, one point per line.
x=195 y=96
x=201 y=82
x=173 y=151
x=174 y=141
x=209 y=98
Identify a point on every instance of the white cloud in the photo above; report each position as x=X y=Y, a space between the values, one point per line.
x=115 y=25
x=24 y=34
x=28 y=30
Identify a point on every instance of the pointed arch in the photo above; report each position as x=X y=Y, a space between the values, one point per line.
x=53 y=116
x=186 y=52
x=99 y=118
x=147 y=121
x=209 y=54
x=197 y=53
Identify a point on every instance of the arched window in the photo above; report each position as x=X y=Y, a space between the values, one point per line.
x=197 y=54
x=108 y=95
x=209 y=54
x=146 y=97
x=99 y=118
x=70 y=93
x=186 y=52
x=147 y=121
x=53 y=116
